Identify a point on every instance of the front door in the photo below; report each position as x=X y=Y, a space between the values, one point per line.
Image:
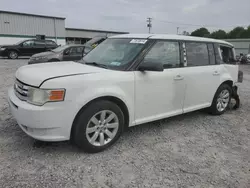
x=160 y=94
x=27 y=48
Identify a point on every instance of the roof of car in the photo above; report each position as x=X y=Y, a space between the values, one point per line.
x=170 y=37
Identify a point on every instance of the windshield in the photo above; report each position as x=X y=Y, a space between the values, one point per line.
x=115 y=52
x=20 y=42
x=60 y=48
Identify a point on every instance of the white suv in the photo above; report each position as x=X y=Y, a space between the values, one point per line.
x=127 y=80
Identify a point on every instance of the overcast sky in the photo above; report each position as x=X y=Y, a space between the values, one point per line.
x=130 y=15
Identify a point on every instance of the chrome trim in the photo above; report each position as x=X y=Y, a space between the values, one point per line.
x=21 y=90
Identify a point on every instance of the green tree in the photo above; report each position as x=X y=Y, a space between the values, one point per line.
x=246 y=33
x=220 y=34
x=236 y=33
x=202 y=32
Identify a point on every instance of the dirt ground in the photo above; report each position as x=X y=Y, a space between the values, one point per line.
x=192 y=150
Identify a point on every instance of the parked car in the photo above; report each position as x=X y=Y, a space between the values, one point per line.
x=125 y=81
x=248 y=58
x=92 y=43
x=26 y=48
x=71 y=52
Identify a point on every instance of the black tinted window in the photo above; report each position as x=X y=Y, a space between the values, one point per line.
x=197 y=54
x=39 y=43
x=50 y=43
x=211 y=54
x=165 y=52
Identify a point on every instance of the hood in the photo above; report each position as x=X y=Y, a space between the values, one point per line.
x=44 y=54
x=7 y=45
x=35 y=74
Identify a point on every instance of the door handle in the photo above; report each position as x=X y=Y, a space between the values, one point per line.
x=178 y=77
x=216 y=73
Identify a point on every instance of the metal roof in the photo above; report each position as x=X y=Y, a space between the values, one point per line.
x=170 y=37
x=28 y=14
x=100 y=31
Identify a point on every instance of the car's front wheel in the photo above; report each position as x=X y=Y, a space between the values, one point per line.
x=13 y=54
x=98 y=126
x=221 y=100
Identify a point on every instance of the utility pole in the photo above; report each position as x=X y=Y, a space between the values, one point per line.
x=149 y=25
x=178 y=30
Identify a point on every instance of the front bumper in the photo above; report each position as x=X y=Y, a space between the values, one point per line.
x=3 y=53
x=51 y=122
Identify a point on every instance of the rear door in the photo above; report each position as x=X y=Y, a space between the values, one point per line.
x=39 y=46
x=73 y=53
x=160 y=94
x=202 y=75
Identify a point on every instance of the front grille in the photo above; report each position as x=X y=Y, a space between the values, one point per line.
x=21 y=90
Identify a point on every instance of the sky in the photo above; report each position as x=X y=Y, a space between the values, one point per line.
x=130 y=15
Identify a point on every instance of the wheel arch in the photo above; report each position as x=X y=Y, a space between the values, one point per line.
x=228 y=82
x=119 y=102
x=13 y=49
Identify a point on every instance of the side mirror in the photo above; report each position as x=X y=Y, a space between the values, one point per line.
x=146 y=66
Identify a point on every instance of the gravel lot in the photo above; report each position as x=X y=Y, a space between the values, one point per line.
x=192 y=150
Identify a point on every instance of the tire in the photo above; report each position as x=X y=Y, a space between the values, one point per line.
x=12 y=54
x=222 y=96
x=99 y=133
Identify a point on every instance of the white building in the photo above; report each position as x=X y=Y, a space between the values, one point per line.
x=15 y=27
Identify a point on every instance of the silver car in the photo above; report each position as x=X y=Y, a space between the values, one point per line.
x=71 y=52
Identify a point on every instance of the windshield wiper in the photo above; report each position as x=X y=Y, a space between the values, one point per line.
x=96 y=64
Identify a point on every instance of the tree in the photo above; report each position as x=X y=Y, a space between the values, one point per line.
x=202 y=32
x=220 y=34
x=185 y=33
x=236 y=33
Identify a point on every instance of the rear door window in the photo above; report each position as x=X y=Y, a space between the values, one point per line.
x=39 y=43
x=197 y=54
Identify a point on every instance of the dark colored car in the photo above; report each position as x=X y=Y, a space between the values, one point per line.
x=71 y=52
x=26 y=48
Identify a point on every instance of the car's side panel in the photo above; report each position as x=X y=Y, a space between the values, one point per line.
x=158 y=94
x=202 y=83
x=83 y=89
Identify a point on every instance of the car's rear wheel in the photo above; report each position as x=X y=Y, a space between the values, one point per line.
x=221 y=100
x=13 y=54
x=98 y=126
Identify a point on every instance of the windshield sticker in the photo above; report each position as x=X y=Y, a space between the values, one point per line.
x=115 y=63
x=138 y=41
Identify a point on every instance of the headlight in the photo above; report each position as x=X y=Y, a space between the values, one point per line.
x=40 y=58
x=39 y=97
x=2 y=49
